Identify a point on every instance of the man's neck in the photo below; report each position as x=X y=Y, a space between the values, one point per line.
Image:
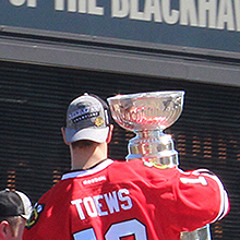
x=85 y=158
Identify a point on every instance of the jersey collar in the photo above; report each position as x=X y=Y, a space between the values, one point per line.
x=82 y=173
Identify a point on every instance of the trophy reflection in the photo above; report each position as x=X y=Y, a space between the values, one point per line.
x=148 y=115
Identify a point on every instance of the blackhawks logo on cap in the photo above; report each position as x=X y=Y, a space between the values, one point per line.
x=99 y=121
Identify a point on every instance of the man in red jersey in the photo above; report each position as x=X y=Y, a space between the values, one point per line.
x=102 y=199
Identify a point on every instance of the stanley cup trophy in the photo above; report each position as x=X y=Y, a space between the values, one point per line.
x=148 y=115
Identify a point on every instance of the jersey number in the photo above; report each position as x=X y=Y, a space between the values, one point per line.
x=116 y=231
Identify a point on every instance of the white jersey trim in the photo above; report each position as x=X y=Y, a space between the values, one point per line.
x=224 y=201
x=82 y=173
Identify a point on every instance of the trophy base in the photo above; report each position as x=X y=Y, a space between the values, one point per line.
x=154 y=147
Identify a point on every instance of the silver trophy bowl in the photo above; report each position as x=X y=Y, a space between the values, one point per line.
x=148 y=115
x=147 y=111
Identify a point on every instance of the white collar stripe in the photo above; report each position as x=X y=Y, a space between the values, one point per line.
x=82 y=173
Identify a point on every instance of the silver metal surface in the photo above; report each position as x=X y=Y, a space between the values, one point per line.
x=147 y=111
x=148 y=115
x=199 y=234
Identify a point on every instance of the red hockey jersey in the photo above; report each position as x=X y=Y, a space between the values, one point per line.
x=127 y=201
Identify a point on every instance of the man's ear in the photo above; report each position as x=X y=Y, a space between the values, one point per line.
x=64 y=136
x=110 y=132
x=5 y=230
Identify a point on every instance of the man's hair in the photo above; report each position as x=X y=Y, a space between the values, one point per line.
x=82 y=144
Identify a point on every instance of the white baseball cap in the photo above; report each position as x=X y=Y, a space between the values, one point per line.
x=87 y=119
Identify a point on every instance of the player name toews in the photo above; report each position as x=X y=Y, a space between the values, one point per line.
x=103 y=205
